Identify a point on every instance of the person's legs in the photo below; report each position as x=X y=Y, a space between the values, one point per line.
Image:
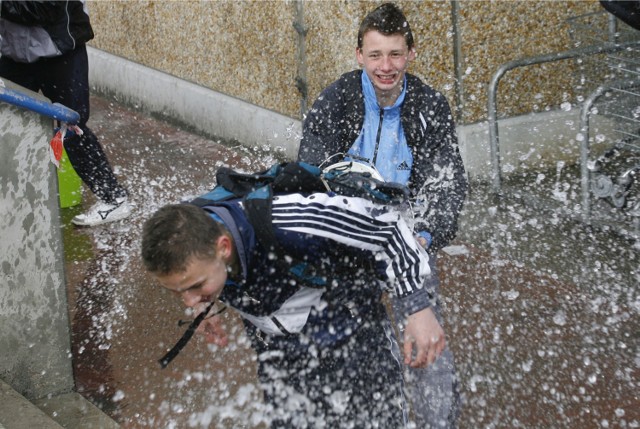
x=433 y=391
x=90 y=162
x=374 y=377
x=288 y=402
x=357 y=384
x=66 y=81
x=20 y=73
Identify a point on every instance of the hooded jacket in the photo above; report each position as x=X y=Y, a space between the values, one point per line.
x=438 y=178
x=31 y=30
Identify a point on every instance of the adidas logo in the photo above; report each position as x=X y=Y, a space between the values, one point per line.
x=403 y=166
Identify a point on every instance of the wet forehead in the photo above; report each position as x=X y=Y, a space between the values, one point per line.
x=373 y=40
x=193 y=276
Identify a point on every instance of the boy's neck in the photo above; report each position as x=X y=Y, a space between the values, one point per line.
x=388 y=98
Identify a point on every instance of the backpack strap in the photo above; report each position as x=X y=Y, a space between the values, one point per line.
x=257 y=206
x=241 y=184
x=298 y=177
x=354 y=184
x=217 y=194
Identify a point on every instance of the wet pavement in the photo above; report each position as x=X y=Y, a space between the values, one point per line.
x=542 y=313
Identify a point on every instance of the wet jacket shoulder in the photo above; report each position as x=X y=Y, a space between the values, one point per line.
x=334 y=121
x=437 y=177
x=26 y=25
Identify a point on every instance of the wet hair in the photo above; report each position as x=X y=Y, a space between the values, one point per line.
x=174 y=235
x=388 y=19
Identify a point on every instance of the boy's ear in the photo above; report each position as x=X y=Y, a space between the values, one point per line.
x=224 y=247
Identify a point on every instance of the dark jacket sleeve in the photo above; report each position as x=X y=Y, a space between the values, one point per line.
x=626 y=11
x=438 y=177
x=32 y=13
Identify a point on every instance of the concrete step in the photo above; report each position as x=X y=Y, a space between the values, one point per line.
x=16 y=412
x=65 y=411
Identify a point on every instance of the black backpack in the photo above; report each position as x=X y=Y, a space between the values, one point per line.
x=257 y=190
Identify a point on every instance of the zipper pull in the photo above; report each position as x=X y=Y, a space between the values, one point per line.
x=250 y=298
x=261 y=338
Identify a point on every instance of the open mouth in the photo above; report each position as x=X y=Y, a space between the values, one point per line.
x=387 y=78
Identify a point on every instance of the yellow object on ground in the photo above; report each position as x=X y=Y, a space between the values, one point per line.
x=69 y=184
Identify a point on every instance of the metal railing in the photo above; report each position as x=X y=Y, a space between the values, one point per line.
x=494 y=140
x=52 y=110
x=585 y=112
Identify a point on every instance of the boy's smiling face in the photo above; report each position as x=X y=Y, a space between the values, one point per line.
x=385 y=59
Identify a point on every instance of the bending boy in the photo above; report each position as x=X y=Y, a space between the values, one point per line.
x=314 y=317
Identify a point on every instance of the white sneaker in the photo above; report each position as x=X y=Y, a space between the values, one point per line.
x=102 y=212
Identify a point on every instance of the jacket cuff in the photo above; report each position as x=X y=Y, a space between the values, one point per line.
x=418 y=300
x=426 y=236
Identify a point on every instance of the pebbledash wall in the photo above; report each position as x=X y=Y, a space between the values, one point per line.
x=274 y=57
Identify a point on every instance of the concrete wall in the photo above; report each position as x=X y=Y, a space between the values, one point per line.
x=528 y=142
x=35 y=351
x=210 y=112
x=533 y=140
x=250 y=49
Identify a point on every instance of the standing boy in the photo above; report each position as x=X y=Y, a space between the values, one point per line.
x=312 y=309
x=42 y=44
x=387 y=118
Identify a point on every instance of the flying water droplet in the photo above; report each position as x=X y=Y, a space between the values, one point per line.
x=560 y=318
x=511 y=295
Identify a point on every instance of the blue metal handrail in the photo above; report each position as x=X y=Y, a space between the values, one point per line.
x=53 y=110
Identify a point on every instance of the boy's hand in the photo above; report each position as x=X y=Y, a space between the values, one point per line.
x=422 y=241
x=424 y=333
x=213 y=331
